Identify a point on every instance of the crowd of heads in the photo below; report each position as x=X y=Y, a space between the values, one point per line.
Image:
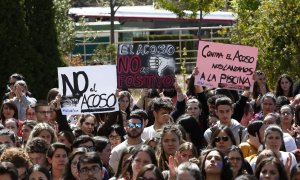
x=161 y=134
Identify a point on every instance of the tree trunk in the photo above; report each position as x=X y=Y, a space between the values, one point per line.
x=112 y=25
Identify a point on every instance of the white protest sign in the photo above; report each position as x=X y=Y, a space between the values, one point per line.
x=226 y=66
x=88 y=89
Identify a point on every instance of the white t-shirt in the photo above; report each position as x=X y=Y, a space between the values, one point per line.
x=149 y=132
x=289 y=142
x=117 y=151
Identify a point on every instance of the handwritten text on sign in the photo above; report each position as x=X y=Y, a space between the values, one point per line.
x=88 y=89
x=146 y=65
x=226 y=66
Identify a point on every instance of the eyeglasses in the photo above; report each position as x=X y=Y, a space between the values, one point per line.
x=114 y=137
x=11 y=83
x=224 y=138
x=93 y=170
x=234 y=159
x=135 y=125
x=90 y=148
x=45 y=112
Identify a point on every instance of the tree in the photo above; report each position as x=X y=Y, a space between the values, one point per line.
x=114 y=6
x=43 y=38
x=16 y=53
x=64 y=25
x=272 y=27
x=190 y=8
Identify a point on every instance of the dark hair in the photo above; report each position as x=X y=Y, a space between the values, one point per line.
x=37 y=145
x=127 y=94
x=243 y=167
x=89 y=157
x=143 y=114
x=191 y=126
x=162 y=103
x=275 y=162
x=212 y=99
x=275 y=128
x=10 y=134
x=296 y=88
x=161 y=156
x=126 y=151
x=223 y=101
x=297 y=113
x=190 y=167
x=100 y=143
x=119 y=130
x=279 y=91
x=226 y=171
x=10 y=169
x=150 y=167
x=295 y=171
x=52 y=93
x=144 y=148
x=268 y=95
x=68 y=135
x=254 y=127
x=82 y=139
x=17 y=76
x=29 y=123
x=281 y=101
x=11 y=105
x=68 y=172
x=215 y=132
x=53 y=147
x=40 y=103
x=39 y=168
x=17 y=156
x=84 y=116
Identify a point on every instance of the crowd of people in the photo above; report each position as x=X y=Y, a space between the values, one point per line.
x=164 y=134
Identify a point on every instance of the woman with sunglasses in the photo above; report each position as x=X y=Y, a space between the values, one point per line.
x=222 y=139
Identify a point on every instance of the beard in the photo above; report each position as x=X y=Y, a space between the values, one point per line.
x=134 y=133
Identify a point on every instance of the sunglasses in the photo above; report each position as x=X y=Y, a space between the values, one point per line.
x=224 y=138
x=135 y=125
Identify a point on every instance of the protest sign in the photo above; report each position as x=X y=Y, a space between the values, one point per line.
x=146 y=66
x=88 y=89
x=226 y=66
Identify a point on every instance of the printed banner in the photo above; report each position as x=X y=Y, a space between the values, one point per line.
x=146 y=66
x=88 y=89
x=226 y=66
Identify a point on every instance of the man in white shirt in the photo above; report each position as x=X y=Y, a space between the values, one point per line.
x=134 y=129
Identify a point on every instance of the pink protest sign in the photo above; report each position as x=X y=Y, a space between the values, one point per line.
x=226 y=66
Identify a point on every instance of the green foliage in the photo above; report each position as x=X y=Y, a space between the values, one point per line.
x=103 y=53
x=272 y=27
x=43 y=38
x=64 y=26
x=16 y=54
x=180 y=7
